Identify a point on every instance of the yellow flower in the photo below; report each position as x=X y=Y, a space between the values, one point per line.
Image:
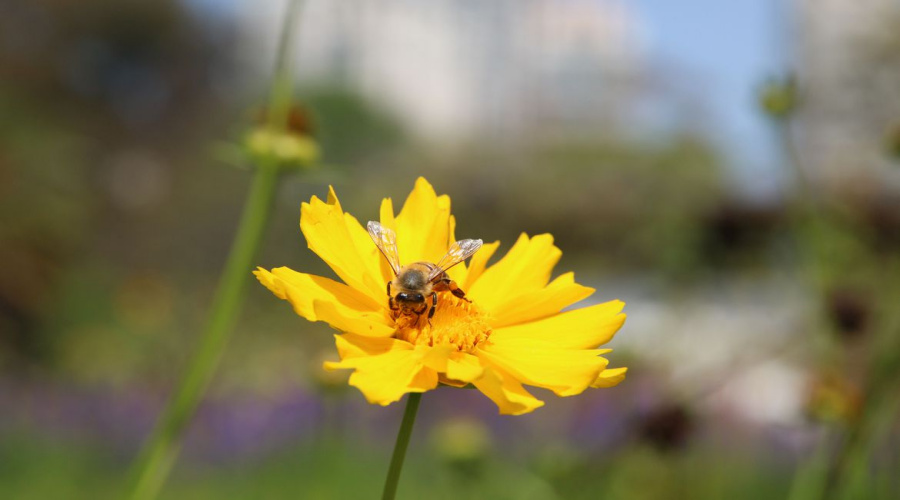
x=511 y=333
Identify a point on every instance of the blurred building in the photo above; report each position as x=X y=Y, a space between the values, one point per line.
x=458 y=69
x=848 y=60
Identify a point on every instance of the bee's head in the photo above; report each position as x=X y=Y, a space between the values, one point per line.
x=410 y=297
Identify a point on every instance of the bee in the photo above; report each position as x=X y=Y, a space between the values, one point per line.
x=415 y=283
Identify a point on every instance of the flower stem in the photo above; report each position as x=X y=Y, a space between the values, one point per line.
x=406 y=426
x=160 y=451
x=159 y=454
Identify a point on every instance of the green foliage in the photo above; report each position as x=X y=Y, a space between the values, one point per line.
x=608 y=203
x=349 y=127
x=334 y=470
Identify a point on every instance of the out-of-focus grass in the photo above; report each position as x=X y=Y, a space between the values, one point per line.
x=37 y=468
x=326 y=469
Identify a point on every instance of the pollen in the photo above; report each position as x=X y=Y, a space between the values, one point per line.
x=456 y=322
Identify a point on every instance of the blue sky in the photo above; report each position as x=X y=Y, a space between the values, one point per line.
x=733 y=46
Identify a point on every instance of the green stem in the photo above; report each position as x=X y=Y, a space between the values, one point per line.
x=160 y=451
x=159 y=454
x=406 y=427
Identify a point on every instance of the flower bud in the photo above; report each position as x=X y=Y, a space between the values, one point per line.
x=289 y=149
x=778 y=98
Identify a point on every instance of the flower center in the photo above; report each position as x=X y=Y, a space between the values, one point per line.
x=456 y=322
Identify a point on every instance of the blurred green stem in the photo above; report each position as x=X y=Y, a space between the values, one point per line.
x=852 y=471
x=806 y=217
x=406 y=427
x=846 y=476
x=160 y=451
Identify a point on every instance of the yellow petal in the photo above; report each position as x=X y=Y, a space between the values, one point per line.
x=386 y=214
x=506 y=392
x=339 y=240
x=370 y=324
x=452 y=235
x=321 y=299
x=351 y=345
x=610 y=377
x=385 y=378
x=436 y=357
x=564 y=371
x=536 y=304
x=583 y=328
x=457 y=366
x=386 y=217
x=425 y=380
x=452 y=383
x=423 y=225
x=463 y=367
x=526 y=267
x=301 y=289
x=476 y=266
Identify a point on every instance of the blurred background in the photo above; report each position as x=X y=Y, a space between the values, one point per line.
x=729 y=170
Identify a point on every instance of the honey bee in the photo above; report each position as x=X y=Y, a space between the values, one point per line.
x=414 y=283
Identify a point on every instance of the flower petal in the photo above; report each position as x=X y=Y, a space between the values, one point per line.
x=506 y=392
x=302 y=289
x=457 y=366
x=525 y=268
x=436 y=357
x=610 y=377
x=533 y=305
x=463 y=367
x=351 y=345
x=385 y=378
x=321 y=299
x=583 y=328
x=423 y=225
x=369 y=324
x=339 y=240
x=564 y=371
x=466 y=277
x=386 y=217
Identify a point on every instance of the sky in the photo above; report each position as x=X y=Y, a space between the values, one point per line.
x=730 y=47
x=733 y=47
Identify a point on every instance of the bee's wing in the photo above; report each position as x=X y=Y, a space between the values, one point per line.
x=459 y=251
x=386 y=241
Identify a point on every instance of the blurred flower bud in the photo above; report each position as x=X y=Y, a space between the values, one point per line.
x=292 y=146
x=299 y=120
x=833 y=398
x=848 y=312
x=666 y=427
x=461 y=442
x=778 y=98
x=288 y=148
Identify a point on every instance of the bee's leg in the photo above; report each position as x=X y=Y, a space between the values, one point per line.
x=395 y=309
x=433 y=307
x=456 y=290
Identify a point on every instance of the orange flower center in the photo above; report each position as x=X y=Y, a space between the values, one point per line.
x=457 y=322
